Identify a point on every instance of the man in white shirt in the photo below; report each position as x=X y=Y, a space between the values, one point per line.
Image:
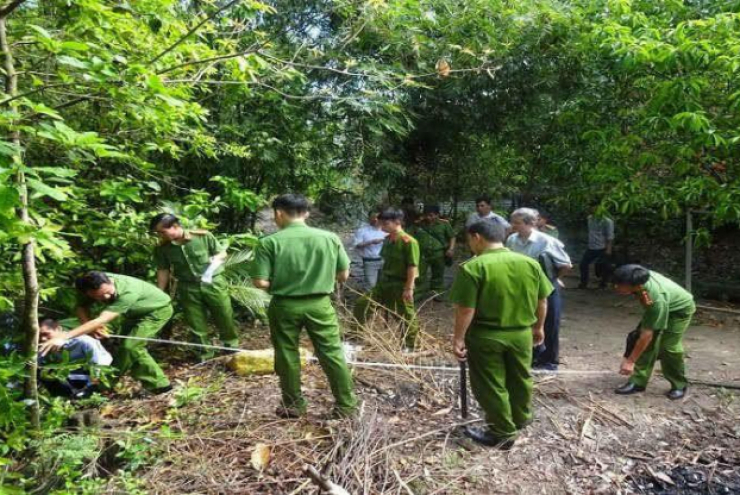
x=368 y=242
x=86 y=350
x=551 y=254
x=483 y=212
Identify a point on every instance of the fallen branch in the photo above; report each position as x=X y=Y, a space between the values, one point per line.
x=322 y=482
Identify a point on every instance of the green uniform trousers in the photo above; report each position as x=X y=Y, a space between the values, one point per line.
x=198 y=299
x=389 y=296
x=500 y=362
x=667 y=346
x=288 y=316
x=432 y=272
x=132 y=356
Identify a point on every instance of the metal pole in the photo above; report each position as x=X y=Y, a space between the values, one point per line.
x=464 y=389
x=689 y=248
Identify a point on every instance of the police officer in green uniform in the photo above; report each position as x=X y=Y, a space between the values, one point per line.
x=187 y=255
x=437 y=244
x=144 y=310
x=544 y=225
x=500 y=302
x=395 y=288
x=300 y=266
x=668 y=311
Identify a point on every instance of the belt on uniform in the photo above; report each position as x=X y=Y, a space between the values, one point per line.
x=372 y=259
x=303 y=296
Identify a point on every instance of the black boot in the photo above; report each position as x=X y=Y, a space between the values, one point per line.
x=485 y=437
x=677 y=393
x=289 y=412
x=628 y=389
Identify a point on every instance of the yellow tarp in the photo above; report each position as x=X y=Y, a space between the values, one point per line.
x=259 y=362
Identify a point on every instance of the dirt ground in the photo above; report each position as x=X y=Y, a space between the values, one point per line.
x=585 y=439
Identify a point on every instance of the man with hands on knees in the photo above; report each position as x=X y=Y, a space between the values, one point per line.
x=668 y=309
x=500 y=300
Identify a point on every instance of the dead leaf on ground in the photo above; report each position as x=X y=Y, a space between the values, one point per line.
x=260 y=456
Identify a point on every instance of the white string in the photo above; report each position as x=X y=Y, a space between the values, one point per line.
x=361 y=364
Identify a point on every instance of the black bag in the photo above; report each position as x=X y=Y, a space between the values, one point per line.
x=449 y=260
x=632 y=339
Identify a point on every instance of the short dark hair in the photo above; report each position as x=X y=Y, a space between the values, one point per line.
x=483 y=198
x=391 y=214
x=490 y=231
x=49 y=322
x=631 y=275
x=91 y=281
x=166 y=220
x=431 y=209
x=292 y=204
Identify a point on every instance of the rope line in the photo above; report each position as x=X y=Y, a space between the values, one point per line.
x=360 y=364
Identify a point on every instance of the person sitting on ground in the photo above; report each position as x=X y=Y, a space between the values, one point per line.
x=368 y=241
x=84 y=350
x=144 y=310
x=668 y=309
x=395 y=289
x=483 y=211
x=544 y=225
x=551 y=255
x=500 y=300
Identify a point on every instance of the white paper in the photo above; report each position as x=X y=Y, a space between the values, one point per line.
x=207 y=277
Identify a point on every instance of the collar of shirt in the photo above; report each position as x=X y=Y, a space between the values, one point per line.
x=295 y=224
x=534 y=237
x=394 y=236
x=495 y=250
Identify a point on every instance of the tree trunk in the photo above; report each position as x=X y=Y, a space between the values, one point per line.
x=30 y=277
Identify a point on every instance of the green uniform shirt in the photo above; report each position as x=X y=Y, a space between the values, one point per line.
x=188 y=261
x=134 y=298
x=668 y=298
x=551 y=231
x=433 y=237
x=503 y=287
x=399 y=252
x=300 y=261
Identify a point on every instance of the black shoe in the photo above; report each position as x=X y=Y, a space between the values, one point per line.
x=629 y=388
x=525 y=424
x=336 y=414
x=551 y=367
x=485 y=437
x=677 y=393
x=289 y=412
x=582 y=286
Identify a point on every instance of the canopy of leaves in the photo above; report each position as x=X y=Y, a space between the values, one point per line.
x=208 y=108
